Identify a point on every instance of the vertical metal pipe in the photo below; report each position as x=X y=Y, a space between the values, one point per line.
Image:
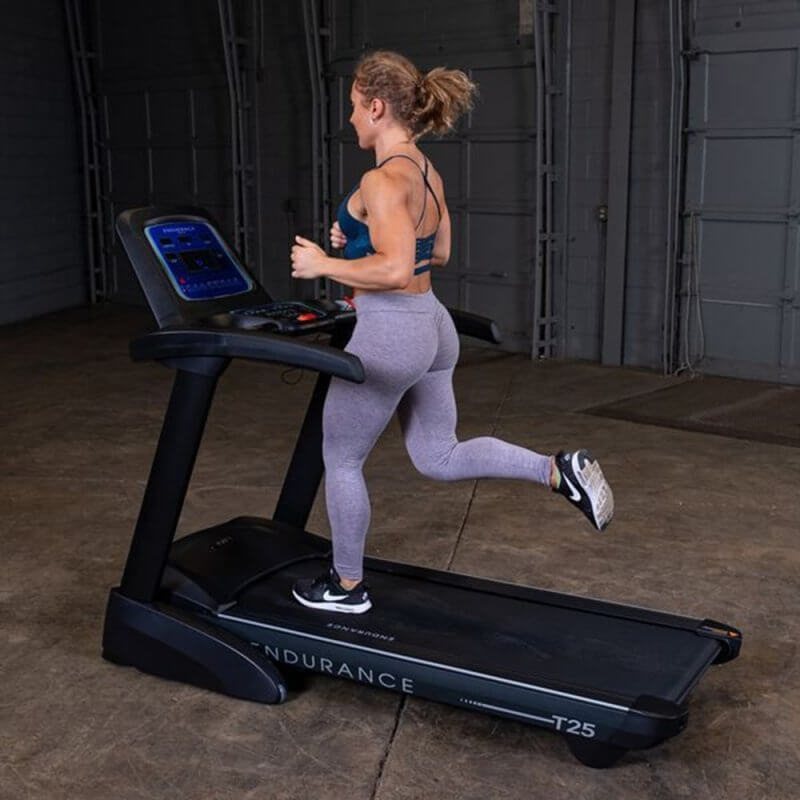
x=332 y=29
x=96 y=218
x=679 y=170
x=563 y=315
x=670 y=254
x=258 y=73
x=465 y=267
x=103 y=156
x=73 y=46
x=315 y=165
x=549 y=177
x=322 y=100
x=109 y=164
x=312 y=73
x=239 y=95
x=619 y=179
x=537 y=265
x=226 y=44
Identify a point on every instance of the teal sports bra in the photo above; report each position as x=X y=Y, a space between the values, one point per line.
x=357 y=232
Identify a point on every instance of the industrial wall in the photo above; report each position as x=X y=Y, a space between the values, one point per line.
x=162 y=80
x=591 y=56
x=42 y=258
x=165 y=108
x=737 y=278
x=741 y=287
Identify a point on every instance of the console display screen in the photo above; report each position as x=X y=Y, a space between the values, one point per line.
x=199 y=264
x=198 y=260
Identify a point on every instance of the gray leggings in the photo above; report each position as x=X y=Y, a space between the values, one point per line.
x=409 y=348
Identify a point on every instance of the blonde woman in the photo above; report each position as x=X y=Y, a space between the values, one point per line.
x=393 y=228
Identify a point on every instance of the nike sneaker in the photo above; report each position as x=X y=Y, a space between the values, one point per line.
x=583 y=484
x=327 y=594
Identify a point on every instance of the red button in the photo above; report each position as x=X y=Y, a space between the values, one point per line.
x=307 y=317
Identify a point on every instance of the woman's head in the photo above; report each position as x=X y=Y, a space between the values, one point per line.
x=388 y=86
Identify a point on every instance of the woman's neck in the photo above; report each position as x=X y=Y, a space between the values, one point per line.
x=390 y=144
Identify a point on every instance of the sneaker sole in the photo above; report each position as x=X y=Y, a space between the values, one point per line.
x=600 y=522
x=360 y=608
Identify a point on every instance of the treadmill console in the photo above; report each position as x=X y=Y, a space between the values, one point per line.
x=197 y=261
x=190 y=275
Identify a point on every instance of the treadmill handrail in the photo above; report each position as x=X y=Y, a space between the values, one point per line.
x=476 y=326
x=170 y=344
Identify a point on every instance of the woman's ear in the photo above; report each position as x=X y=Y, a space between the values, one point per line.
x=377 y=108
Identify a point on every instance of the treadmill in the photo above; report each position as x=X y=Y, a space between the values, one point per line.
x=214 y=608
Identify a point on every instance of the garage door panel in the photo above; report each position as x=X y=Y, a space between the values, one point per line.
x=737 y=332
x=747 y=172
x=508 y=305
x=744 y=258
x=502 y=170
x=495 y=107
x=500 y=244
x=446 y=155
x=752 y=87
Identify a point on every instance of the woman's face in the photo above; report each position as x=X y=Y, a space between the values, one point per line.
x=360 y=119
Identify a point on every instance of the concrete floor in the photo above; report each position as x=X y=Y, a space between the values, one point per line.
x=706 y=526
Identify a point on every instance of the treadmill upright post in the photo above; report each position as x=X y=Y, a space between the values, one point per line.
x=301 y=484
x=181 y=432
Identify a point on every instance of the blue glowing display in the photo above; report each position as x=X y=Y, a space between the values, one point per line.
x=197 y=261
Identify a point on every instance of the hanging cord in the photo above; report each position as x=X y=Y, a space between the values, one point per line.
x=298 y=371
x=693 y=291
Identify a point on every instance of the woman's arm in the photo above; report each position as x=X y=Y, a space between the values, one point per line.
x=391 y=232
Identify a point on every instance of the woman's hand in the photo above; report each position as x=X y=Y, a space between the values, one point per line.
x=308 y=259
x=338 y=239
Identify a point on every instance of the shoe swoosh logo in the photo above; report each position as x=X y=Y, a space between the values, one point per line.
x=333 y=597
x=574 y=493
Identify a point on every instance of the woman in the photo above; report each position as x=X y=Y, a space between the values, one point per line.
x=394 y=227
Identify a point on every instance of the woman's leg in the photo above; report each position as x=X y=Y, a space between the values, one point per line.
x=428 y=418
x=395 y=349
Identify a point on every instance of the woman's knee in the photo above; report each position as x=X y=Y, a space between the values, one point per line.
x=433 y=464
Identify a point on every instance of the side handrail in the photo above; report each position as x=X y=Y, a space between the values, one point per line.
x=476 y=326
x=174 y=344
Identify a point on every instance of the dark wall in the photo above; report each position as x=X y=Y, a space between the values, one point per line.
x=168 y=137
x=589 y=188
x=42 y=257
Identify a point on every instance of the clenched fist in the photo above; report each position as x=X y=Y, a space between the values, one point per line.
x=308 y=259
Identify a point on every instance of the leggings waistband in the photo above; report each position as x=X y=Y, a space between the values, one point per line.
x=396 y=301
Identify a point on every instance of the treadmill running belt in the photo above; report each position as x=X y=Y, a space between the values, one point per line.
x=529 y=641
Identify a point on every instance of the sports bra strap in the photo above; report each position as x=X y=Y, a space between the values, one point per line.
x=428 y=186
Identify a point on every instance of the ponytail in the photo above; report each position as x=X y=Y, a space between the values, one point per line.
x=424 y=102
x=444 y=95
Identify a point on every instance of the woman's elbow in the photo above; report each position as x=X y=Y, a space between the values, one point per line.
x=399 y=277
x=400 y=282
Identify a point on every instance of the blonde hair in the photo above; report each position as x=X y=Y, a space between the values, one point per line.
x=424 y=102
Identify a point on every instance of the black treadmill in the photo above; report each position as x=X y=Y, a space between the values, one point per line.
x=214 y=608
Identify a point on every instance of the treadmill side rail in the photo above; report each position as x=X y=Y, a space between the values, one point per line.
x=571 y=714
x=170 y=643
x=730 y=639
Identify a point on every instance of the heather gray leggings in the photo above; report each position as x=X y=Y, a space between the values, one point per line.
x=409 y=347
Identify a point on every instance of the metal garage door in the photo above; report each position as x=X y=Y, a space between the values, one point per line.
x=742 y=206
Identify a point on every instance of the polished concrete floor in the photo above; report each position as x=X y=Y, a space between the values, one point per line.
x=707 y=526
